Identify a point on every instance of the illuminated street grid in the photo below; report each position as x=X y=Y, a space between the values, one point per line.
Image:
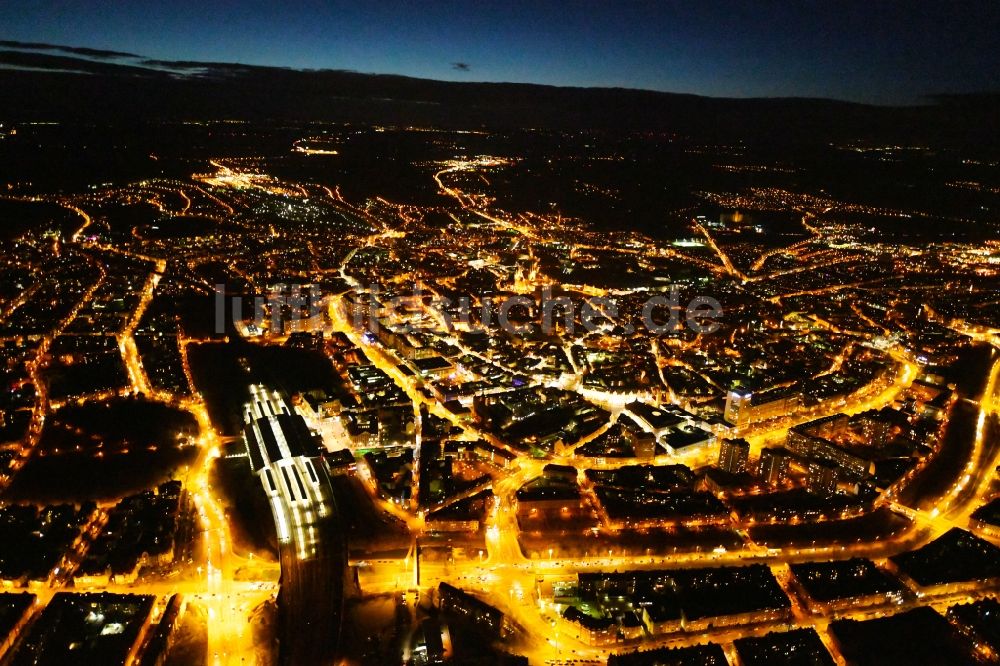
x=548 y=431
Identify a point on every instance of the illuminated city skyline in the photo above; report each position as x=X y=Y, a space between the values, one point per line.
x=320 y=367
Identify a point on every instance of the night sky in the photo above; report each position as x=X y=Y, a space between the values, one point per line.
x=871 y=51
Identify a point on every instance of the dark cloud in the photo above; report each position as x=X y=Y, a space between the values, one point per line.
x=48 y=61
x=78 y=50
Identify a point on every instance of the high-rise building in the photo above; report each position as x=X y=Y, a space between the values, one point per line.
x=821 y=477
x=877 y=425
x=773 y=465
x=735 y=401
x=733 y=455
x=805 y=445
x=744 y=406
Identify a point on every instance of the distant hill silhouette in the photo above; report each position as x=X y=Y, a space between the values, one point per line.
x=44 y=81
